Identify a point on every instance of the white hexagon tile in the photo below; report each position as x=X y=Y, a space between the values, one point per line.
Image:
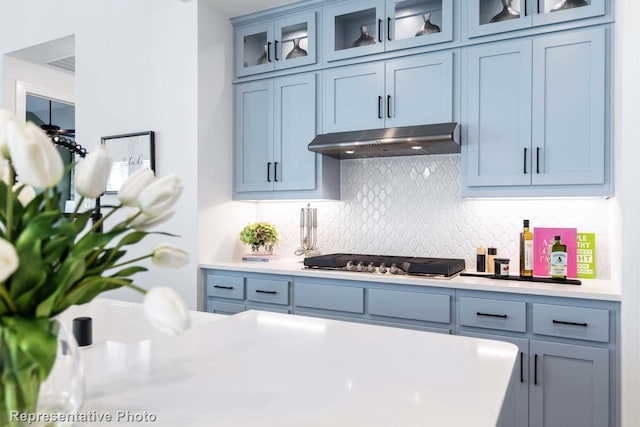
x=412 y=206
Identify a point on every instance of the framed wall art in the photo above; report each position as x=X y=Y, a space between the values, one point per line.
x=129 y=152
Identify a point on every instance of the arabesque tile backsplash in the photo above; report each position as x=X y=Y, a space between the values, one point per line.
x=412 y=206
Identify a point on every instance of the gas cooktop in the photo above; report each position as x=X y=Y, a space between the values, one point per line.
x=381 y=264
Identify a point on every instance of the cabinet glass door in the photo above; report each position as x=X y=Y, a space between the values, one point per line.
x=295 y=42
x=418 y=22
x=354 y=29
x=254 y=49
x=551 y=11
x=496 y=16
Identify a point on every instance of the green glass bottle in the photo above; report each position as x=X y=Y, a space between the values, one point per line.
x=558 y=260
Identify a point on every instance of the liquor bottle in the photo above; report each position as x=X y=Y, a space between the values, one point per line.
x=526 y=251
x=558 y=260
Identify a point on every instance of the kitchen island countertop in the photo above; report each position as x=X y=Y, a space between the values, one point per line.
x=597 y=289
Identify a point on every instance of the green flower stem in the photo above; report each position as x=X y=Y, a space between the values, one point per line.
x=7 y=299
x=77 y=208
x=103 y=219
x=131 y=261
x=9 y=224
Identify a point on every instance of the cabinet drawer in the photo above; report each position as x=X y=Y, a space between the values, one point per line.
x=410 y=305
x=267 y=290
x=225 y=286
x=328 y=297
x=224 y=307
x=591 y=324
x=277 y=309
x=493 y=314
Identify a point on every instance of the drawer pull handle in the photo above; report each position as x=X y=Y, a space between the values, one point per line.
x=521 y=367
x=535 y=370
x=503 y=316
x=562 y=322
x=260 y=291
x=223 y=287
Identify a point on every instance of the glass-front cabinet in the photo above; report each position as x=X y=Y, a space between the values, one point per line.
x=367 y=27
x=497 y=16
x=274 y=45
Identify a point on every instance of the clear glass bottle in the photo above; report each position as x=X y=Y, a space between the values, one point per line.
x=526 y=251
x=558 y=260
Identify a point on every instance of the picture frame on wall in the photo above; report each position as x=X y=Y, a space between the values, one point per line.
x=129 y=152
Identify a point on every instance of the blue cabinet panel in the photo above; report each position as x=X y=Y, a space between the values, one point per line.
x=569 y=108
x=329 y=297
x=410 y=305
x=591 y=324
x=493 y=314
x=570 y=386
x=268 y=290
x=225 y=286
x=220 y=307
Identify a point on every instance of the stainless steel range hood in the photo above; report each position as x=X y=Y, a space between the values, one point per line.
x=442 y=138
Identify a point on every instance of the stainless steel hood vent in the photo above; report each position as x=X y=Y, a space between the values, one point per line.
x=443 y=138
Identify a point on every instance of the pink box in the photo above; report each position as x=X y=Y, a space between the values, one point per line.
x=543 y=238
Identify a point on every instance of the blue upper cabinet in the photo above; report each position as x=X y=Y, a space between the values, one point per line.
x=275 y=119
x=402 y=92
x=271 y=45
x=367 y=27
x=536 y=113
x=497 y=16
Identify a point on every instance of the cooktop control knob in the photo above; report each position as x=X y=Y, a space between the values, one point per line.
x=383 y=268
x=371 y=268
x=360 y=266
x=394 y=269
x=349 y=266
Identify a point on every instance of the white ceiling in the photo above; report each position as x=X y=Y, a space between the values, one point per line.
x=233 y=8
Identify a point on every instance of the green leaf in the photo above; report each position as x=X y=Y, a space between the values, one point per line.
x=132 y=238
x=130 y=271
x=36 y=340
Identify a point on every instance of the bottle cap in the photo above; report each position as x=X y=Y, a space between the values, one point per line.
x=556 y=237
x=481 y=250
x=82 y=331
x=526 y=223
x=492 y=251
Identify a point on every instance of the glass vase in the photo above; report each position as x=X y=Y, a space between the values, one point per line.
x=40 y=372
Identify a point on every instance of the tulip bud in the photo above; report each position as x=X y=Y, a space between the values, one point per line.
x=25 y=193
x=35 y=159
x=169 y=256
x=93 y=173
x=8 y=259
x=145 y=222
x=160 y=195
x=133 y=185
x=166 y=310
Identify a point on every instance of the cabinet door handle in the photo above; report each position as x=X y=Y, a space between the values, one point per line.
x=389 y=106
x=275 y=172
x=538 y=1
x=275 y=50
x=379 y=107
x=268 y=51
x=268 y=171
x=537 y=159
x=260 y=291
x=535 y=369
x=562 y=322
x=525 y=8
x=521 y=367
x=524 y=164
x=503 y=316
x=222 y=287
x=380 y=30
x=389 y=29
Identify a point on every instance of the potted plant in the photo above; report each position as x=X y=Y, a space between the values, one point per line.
x=259 y=235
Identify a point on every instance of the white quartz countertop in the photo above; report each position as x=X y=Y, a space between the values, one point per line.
x=268 y=369
x=597 y=289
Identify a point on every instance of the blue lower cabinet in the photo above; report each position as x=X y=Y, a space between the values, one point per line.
x=329 y=297
x=410 y=305
x=221 y=307
x=569 y=386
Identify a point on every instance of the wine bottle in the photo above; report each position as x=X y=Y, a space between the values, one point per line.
x=526 y=251
x=558 y=260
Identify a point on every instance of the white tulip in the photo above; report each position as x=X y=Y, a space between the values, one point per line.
x=169 y=256
x=8 y=259
x=26 y=193
x=35 y=159
x=133 y=185
x=166 y=310
x=145 y=222
x=160 y=195
x=93 y=173
x=6 y=117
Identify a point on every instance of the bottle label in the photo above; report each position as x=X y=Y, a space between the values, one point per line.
x=528 y=254
x=558 y=264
